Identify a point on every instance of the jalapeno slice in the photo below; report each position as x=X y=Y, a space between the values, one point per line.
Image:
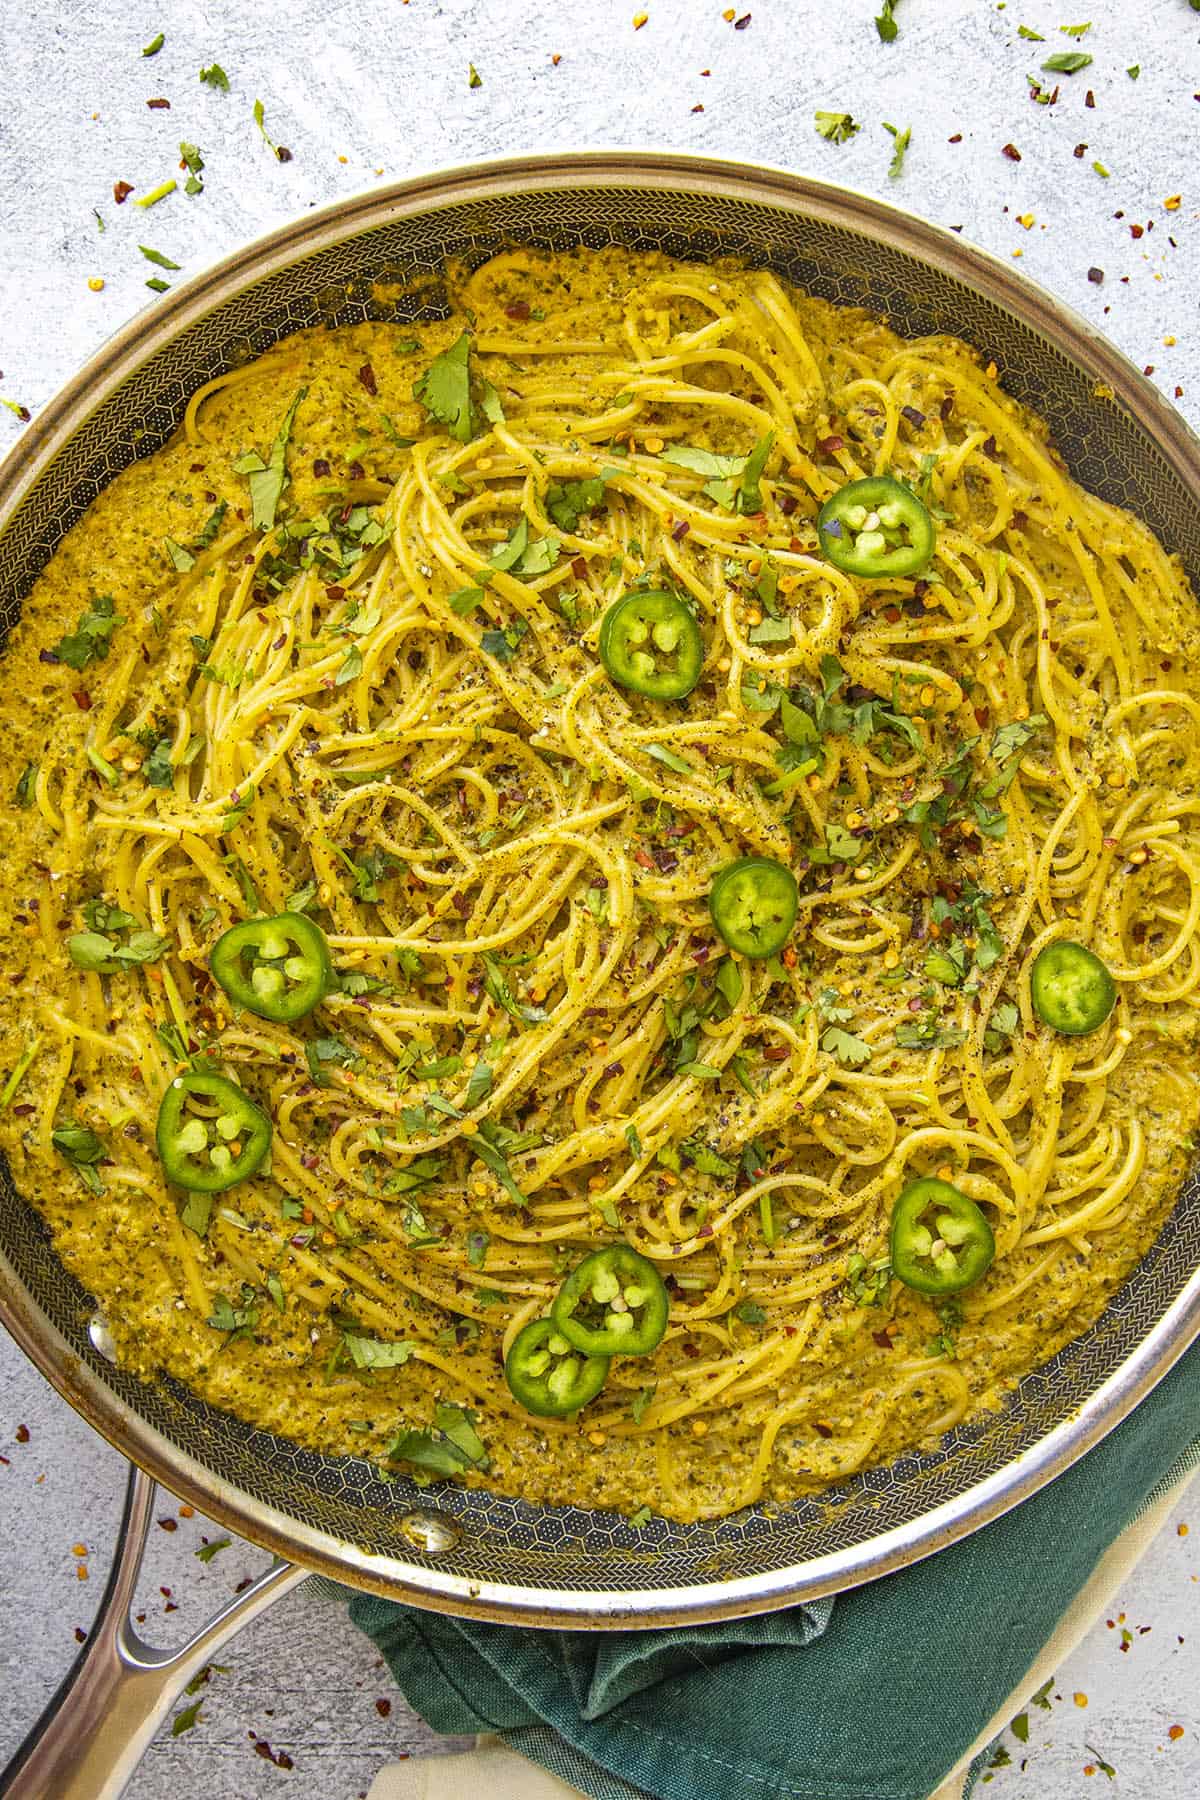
x=278 y=968
x=1071 y=989
x=651 y=643
x=548 y=1375
x=941 y=1242
x=612 y=1304
x=753 y=904
x=210 y=1135
x=875 y=527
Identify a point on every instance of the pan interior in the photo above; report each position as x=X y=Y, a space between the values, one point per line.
x=500 y=1540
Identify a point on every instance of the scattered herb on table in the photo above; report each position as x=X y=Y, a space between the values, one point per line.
x=280 y=152
x=155 y=45
x=156 y=194
x=193 y=162
x=838 y=127
x=1066 y=62
x=215 y=77
x=901 y=141
x=157 y=257
x=885 y=22
x=206 y=1552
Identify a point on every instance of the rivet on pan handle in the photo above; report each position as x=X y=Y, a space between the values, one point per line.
x=97 y=1728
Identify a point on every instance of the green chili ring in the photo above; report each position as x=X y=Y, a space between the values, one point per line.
x=613 y=1303
x=278 y=968
x=650 y=643
x=1071 y=989
x=547 y=1375
x=874 y=528
x=950 y=1252
x=753 y=905
x=209 y=1152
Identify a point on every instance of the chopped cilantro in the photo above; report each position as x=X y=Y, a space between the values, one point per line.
x=1066 y=62
x=837 y=127
x=90 y=640
x=215 y=77
x=900 y=143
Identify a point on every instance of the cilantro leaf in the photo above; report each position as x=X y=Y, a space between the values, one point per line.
x=444 y=390
x=1067 y=62
x=371 y=1353
x=266 y=479
x=24 y=791
x=567 y=502
x=215 y=77
x=453 y=1446
x=91 y=639
x=494 y=1159
x=749 y=492
x=79 y=1145
x=845 y=1046
x=900 y=142
x=885 y=23
x=837 y=127
x=926 y=1034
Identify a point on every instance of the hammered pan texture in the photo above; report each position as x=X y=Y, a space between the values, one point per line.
x=500 y=1539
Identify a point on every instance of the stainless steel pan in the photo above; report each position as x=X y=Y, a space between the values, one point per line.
x=471 y=1552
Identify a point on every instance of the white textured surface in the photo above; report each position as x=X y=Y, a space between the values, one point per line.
x=384 y=87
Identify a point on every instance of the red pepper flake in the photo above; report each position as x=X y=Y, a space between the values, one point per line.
x=367 y=376
x=741 y=24
x=788 y=504
x=356 y=471
x=80 y=1635
x=698 y=108
x=1089 y=99
x=1012 y=153
x=383 y=1708
x=1096 y=277
x=828 y=445
x=956 y=139
x=882 y=1339
x=122 y=191
x=1080 y=151
x=22 y=1434
x=776 y=1053
x=159 y=105
x=579 y=567
x=520 y=310
x=680 y=531
x=321 y=469
x=1137 y=231
x=825 y=1431
x=169 y=1524
x=1149 y=369
x=280 y=1758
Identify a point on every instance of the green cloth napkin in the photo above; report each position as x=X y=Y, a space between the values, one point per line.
x=874 y=1697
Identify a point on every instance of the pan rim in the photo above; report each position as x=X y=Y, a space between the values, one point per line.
x=395 y=1577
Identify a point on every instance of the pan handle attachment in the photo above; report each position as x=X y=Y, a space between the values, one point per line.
x=101 y=1722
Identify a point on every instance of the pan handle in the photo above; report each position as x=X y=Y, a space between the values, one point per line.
x=101 y=1722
